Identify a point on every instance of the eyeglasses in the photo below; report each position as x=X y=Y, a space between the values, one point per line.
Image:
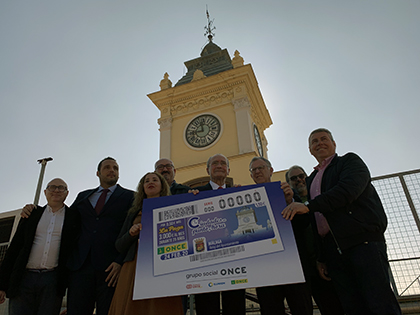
x=258 y=168
x=162 y=166
x=60 y=188
x=300 y=176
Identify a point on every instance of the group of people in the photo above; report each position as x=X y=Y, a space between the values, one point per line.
x=90 y=248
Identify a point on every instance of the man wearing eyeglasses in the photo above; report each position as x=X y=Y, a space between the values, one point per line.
x=33 y=273
x=322 y=289
x=271 y=298
x=295 y=177
x=166 y=168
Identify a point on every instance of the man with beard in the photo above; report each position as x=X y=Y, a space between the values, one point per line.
x=322 y=289
x=295 y=177
x=95 y=264
x=166 y=168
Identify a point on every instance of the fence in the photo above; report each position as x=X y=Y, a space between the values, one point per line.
x=400 y=195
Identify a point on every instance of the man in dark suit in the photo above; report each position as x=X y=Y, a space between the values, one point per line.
x=166 y=168
x=34 y=273
x=233 y=302
x=95 y=264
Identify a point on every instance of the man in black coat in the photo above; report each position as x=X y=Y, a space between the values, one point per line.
x=351 y=222
x=95 y=263
x=33 y=273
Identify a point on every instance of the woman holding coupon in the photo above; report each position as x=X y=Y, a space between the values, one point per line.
x=150 y=186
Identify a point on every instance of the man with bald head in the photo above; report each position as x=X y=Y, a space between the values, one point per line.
x=33 y=273
x=166 y=168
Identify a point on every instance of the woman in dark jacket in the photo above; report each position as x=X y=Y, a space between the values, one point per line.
x=151 y=185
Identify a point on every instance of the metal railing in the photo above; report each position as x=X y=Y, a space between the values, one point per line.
x=400 y=195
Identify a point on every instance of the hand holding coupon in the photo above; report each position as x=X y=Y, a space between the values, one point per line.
x=231 y=237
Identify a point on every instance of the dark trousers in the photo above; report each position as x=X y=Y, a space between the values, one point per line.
x=233 y=303
x=87 y=287
x=323 y=291
x=325 y=296
x=37 y=295
x=297 y=295
x=360 y=276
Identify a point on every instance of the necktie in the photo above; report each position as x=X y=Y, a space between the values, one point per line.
x=101 y=201
x=220 y=187
x=322 y=224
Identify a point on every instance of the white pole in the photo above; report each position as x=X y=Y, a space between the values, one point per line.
x=43 y=163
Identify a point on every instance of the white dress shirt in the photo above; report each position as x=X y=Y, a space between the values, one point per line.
x=215 y=186
x=46 y=245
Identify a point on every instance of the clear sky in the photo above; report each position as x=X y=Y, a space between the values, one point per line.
x=74 y=79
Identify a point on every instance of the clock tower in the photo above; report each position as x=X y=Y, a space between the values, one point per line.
x=216 y=107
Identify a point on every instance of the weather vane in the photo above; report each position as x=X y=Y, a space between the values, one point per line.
x=209 y=28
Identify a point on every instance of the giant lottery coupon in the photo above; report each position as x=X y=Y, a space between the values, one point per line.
x=218 y=229
x=216 y=240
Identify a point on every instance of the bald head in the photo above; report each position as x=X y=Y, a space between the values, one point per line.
x=56 y=193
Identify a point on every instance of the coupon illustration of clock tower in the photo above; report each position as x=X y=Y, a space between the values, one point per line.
x=216 y=107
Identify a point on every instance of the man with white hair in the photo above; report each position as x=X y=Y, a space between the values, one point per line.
x=233 y=302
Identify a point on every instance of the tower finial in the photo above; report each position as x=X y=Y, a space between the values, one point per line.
x=209 y=28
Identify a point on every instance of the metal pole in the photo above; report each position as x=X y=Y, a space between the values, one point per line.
x=192 y=304
x=43 y=163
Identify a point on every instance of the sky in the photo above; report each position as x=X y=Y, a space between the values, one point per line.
x=74 y=79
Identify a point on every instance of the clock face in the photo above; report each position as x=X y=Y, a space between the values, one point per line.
x=202 y=131
x=246 y=219
x=258 y=141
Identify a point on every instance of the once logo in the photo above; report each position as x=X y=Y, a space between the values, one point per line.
x=233 y=271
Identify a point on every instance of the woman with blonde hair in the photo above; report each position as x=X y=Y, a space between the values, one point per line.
x=151 y=185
